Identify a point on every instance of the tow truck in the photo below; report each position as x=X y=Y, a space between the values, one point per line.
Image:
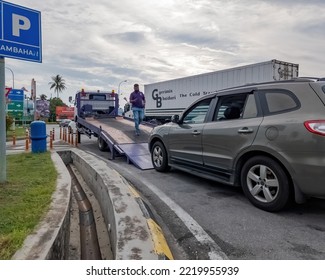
x=96 y=114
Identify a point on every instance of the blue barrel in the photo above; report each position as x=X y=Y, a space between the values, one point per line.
x=38 y=136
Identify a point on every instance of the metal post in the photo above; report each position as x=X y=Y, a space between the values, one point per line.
x=13 y=77
x=14 y=138
x=3 y=162
x=51 y=140
x=33 y=90
x=119 y=85
x=118 y=96
x=76 y=142
x=27 y=141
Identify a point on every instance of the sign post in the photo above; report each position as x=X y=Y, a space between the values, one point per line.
x=20 y=38
x=3 y=167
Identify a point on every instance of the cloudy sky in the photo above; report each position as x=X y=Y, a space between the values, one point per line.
x=98 y=44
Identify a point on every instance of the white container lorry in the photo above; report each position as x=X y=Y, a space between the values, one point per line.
x=167 y=98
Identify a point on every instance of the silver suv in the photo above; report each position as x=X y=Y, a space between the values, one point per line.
x=268 y=138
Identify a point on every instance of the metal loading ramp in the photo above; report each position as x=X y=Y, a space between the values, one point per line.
x=138 y=154
x=120 y=135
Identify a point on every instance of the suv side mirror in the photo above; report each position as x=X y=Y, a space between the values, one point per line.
x=175 y=119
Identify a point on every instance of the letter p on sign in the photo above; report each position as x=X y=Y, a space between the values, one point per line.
x=19 y=22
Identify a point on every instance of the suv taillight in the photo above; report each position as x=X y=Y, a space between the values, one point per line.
x=316 y=126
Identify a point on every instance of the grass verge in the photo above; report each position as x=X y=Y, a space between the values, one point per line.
x=19 y=132
x=24 y=198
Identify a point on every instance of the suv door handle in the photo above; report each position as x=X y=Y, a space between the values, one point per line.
x=245 y=130
x=195 y=132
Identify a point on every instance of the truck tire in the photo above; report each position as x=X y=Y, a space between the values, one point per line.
x=265 y=184
x=102 y=145
x=159 y=157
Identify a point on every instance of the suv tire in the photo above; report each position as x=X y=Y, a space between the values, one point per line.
x=265 y=183
x=159 y=157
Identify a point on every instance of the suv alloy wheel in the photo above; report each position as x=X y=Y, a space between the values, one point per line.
x=265 y=183
x=159 y=157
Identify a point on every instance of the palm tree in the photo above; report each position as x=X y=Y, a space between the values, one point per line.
x=58 y=83
x=43 y=97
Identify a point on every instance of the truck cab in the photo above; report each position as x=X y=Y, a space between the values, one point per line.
x=96 y=104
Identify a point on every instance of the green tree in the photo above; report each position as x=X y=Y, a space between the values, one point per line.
x=53 y=103
x=58 y=83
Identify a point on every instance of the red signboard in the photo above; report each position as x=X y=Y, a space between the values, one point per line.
x=63 y=112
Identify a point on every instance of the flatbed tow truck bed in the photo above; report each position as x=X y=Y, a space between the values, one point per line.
x=119 y=134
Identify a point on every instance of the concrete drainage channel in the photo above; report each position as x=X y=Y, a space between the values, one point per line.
x=121 y=229
x=89 y=238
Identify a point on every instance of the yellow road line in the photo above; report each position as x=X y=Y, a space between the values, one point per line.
x=160 y=244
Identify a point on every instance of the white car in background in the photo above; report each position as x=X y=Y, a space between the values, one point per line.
x=72 y=127
x=64 y=122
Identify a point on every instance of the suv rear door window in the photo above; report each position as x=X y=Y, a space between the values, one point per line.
x=236 y=106
x=275 y=102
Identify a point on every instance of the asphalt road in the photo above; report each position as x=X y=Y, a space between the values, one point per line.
x=203 y=219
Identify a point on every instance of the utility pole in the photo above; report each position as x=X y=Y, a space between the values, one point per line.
x=33 y=90
x=3 y=162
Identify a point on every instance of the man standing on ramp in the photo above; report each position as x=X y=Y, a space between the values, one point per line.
x=138 y=102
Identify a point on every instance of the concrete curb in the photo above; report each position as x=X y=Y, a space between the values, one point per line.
x=133 y=235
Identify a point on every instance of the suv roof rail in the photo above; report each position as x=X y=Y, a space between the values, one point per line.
x=297 y=79
x=307 y=78
x=315 y=79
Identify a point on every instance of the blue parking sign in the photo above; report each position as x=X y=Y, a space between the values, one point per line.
x=20 y=32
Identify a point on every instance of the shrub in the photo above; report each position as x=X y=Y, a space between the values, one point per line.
x=9 y=122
